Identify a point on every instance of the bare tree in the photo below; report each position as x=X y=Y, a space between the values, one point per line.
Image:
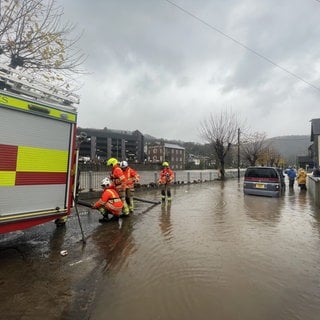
x=270 y=157
x=221 y=132
x=254 y=147
x=33 y=36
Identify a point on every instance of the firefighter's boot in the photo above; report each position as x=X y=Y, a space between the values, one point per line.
x=131 y=205
x=125 y=209
x=106 y=218
x=163 y=196
x=104 y=214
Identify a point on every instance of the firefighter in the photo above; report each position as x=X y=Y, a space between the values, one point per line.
x=119 y=179
x=110 y=204
x=165 y=180
x=132 y=177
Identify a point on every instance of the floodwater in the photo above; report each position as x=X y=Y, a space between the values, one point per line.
x=212 y=254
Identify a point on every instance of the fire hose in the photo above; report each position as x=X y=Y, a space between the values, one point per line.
x=89 y=205
x=146 y=201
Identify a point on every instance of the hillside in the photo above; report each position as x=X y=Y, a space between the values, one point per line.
x=291 y=146
x=288 y=146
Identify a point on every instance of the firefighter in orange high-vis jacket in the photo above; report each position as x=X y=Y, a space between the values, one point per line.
x=165 y=180
x=119 y=179
x=132 y=177
x=110 y=204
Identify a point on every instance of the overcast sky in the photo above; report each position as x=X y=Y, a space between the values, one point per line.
x=162 y=70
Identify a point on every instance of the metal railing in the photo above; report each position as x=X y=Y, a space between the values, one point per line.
x=91 y=180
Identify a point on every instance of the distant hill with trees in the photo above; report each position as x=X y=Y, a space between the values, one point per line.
x=291 y=146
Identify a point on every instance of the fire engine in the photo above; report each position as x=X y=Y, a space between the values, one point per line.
x=38 y=151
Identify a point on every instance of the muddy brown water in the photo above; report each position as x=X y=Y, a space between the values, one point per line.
x=212 y=254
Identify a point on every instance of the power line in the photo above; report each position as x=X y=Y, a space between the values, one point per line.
x=243 y=45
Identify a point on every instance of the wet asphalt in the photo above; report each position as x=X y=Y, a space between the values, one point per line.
x=259 y=256
x=49 y=272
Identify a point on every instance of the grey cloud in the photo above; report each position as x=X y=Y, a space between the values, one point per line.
x=154 y=66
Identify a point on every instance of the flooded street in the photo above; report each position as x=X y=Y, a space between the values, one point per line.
x=212 y=254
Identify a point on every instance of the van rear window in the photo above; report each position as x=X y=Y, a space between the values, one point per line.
x=261 y=173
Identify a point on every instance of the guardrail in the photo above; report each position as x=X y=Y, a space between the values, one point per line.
x=91 y=180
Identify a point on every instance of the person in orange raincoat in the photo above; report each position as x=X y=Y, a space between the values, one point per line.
x=119 y=179
x=110 y=204
x=166 y=178
x=132 y=177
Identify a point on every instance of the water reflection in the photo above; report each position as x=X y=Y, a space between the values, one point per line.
x=302 y=199
x=291 y=192
x=56 y=242
x=165 y=220
x=221 y=198
x=33 y=277
x=223 y=260
x=115 y=242
x=263 y=209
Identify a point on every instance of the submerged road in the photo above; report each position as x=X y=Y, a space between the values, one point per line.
x=212 y=254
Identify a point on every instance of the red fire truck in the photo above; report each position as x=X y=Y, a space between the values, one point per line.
x=38 y=158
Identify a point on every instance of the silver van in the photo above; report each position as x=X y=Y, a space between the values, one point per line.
x=263 y=181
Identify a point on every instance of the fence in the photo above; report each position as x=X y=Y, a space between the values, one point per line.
x=91 y=180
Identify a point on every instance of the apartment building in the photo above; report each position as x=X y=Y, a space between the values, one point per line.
x=173 y=153
x=105 y=143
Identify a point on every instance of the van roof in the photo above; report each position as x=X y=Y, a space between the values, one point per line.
x=262 y=172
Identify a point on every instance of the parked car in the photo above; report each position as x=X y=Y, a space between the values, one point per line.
x=263 y=181
x=282 y=177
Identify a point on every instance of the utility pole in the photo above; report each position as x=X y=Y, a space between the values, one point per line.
x=238 y=153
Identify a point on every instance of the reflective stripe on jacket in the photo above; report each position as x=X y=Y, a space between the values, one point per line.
x=166 y=176
x=111 y=201
x=131 y=176
x=118 y=178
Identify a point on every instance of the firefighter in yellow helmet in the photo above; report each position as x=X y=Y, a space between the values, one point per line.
x=119 y=179
x=166 y=178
